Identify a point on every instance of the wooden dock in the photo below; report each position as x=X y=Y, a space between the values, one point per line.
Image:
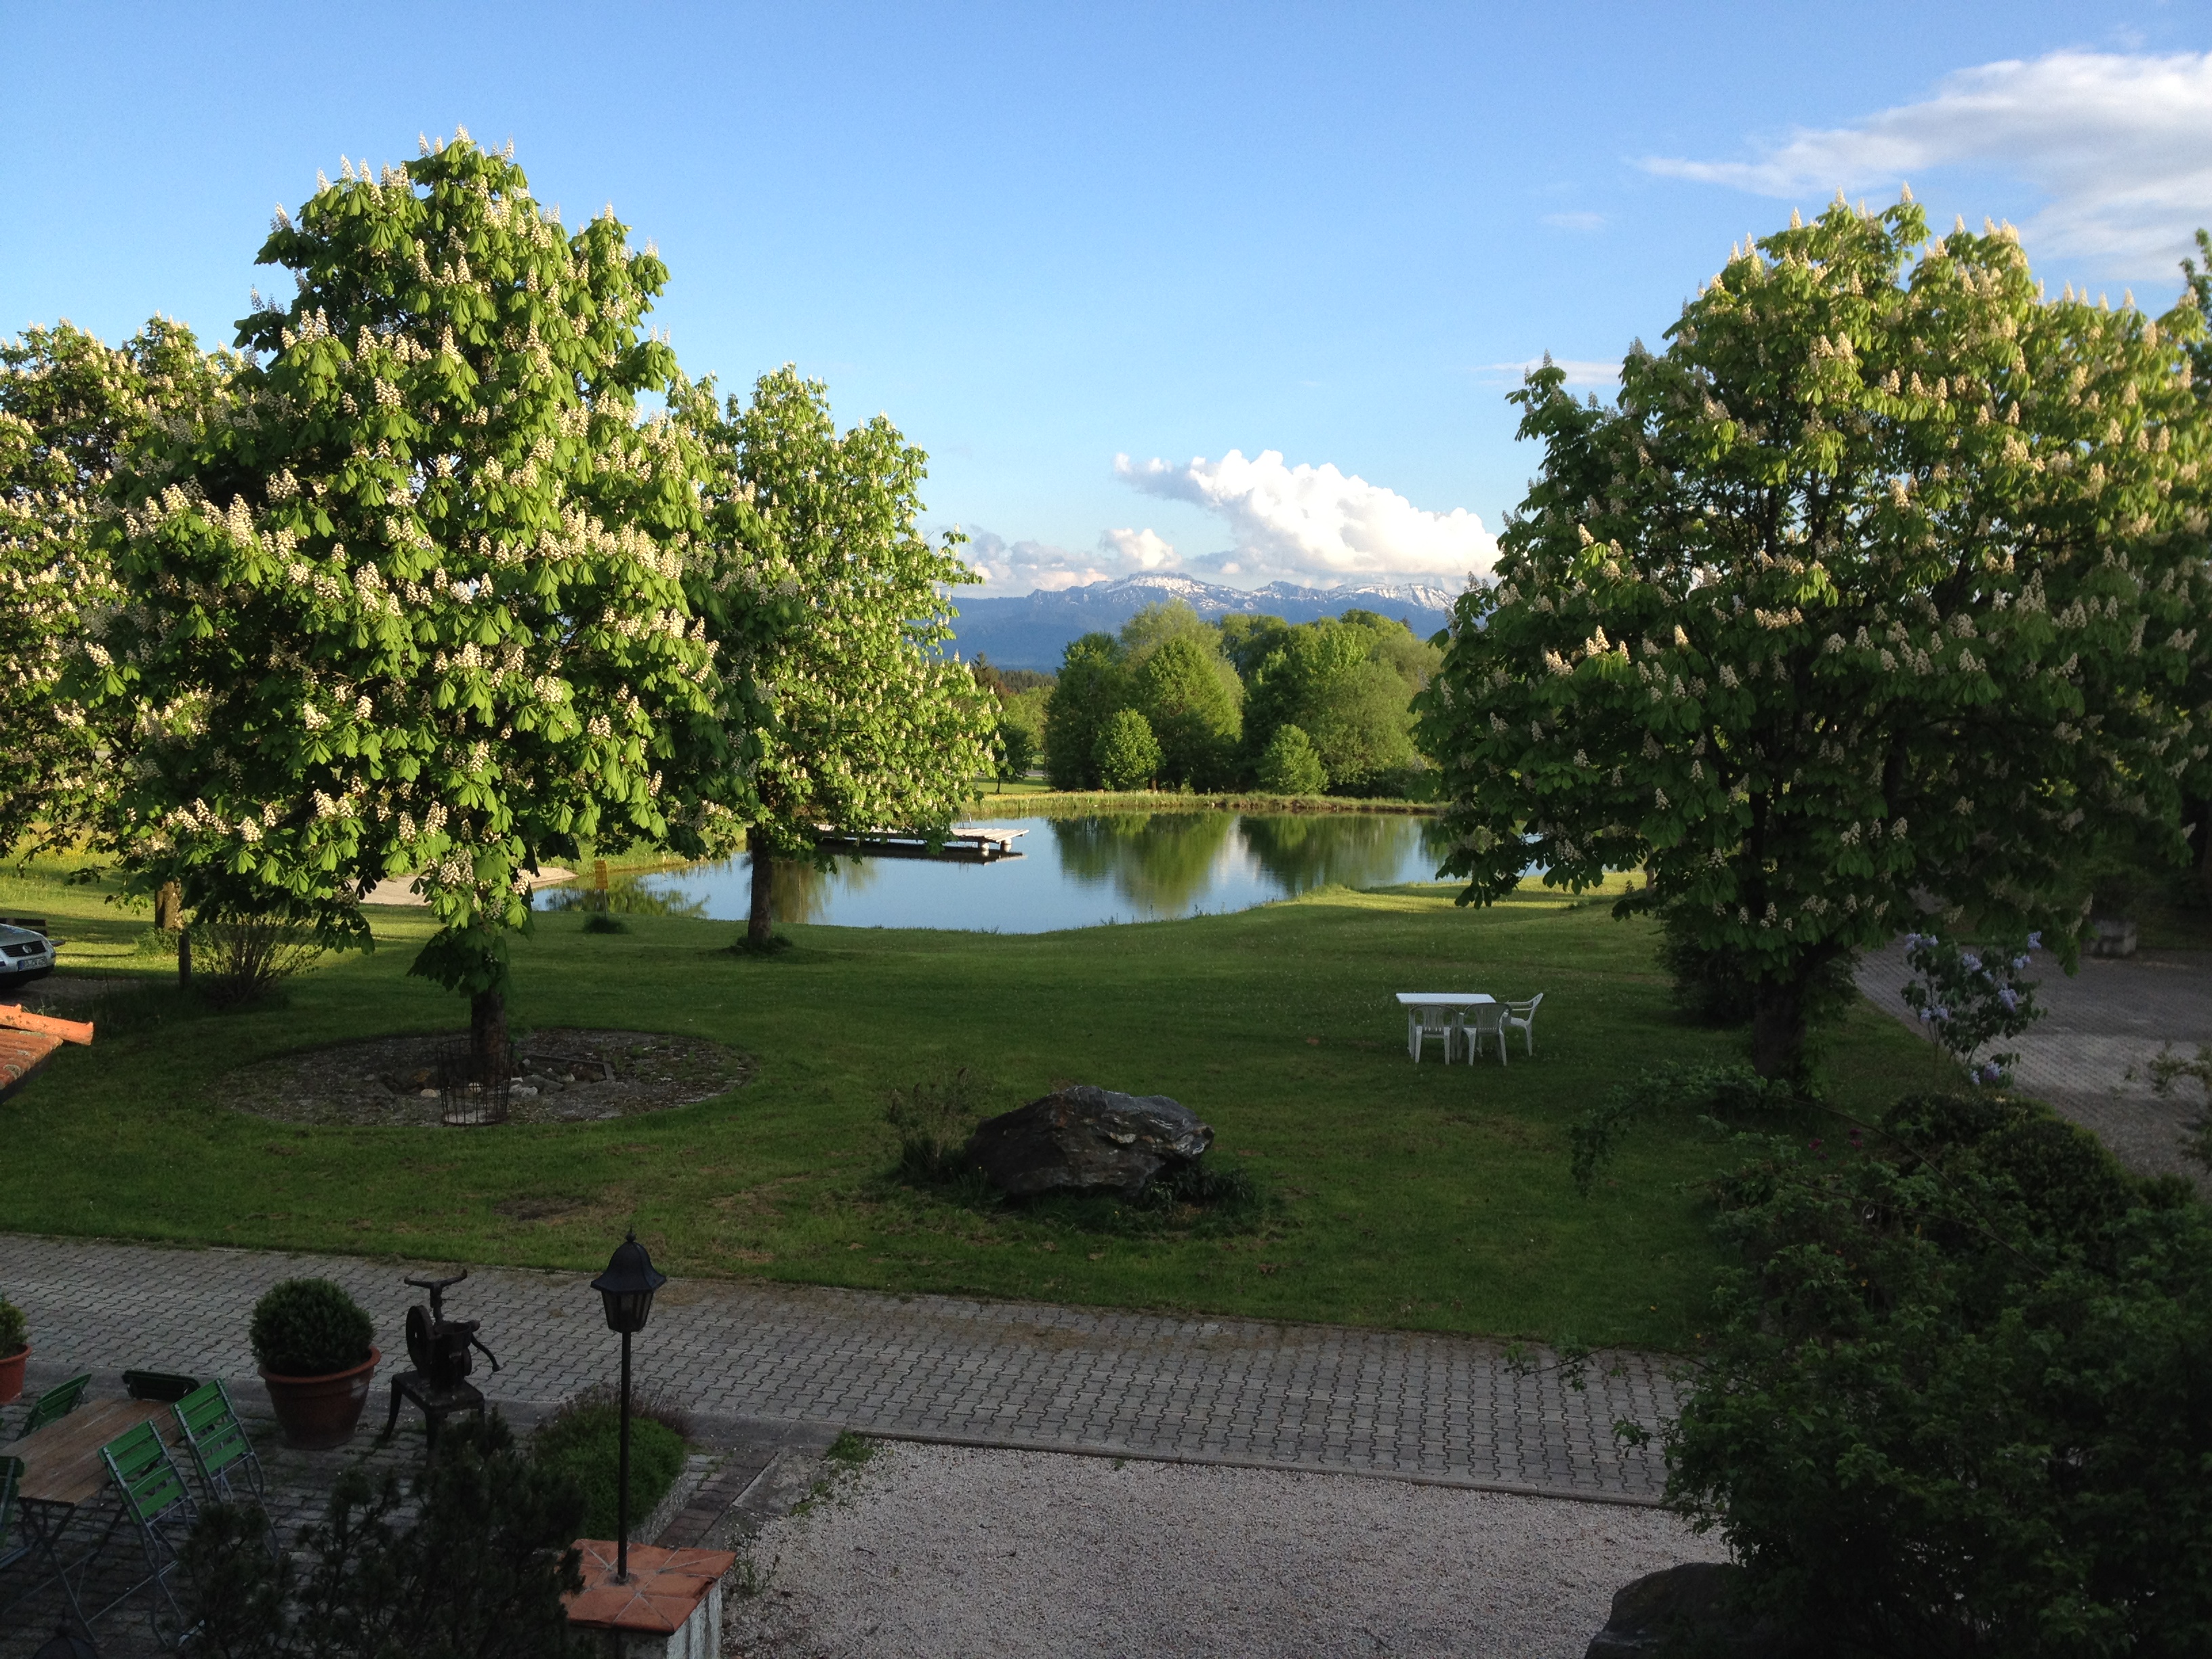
x=982 y=846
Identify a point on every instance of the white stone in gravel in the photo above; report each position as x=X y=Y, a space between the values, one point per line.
x=942 y=1551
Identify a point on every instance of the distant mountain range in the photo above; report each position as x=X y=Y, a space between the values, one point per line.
x=1032 y=632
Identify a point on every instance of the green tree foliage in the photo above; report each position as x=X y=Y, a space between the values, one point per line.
x=1885 y=580
x=1128 y=754
x=1289 y=766
x=409 y=602
x=1348 y=683
x=828 y=607
x=2198 y=277
x=1247 y=640
x=1090 y=687
x=1189 y=696
x=1958 y=1396
x=70 y=409
x=1017 y=751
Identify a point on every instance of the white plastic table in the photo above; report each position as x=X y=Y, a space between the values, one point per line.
x=1413 y=1001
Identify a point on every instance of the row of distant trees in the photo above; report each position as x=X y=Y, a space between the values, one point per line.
x=408 y=584
x=1176 y=701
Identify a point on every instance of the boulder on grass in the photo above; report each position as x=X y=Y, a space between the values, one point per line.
x=1685 y=1610
x=1086 y=1139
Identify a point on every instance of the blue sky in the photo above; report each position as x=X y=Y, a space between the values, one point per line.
x=1045 y=238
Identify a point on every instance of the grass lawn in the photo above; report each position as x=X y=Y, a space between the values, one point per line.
x=1428 y=1197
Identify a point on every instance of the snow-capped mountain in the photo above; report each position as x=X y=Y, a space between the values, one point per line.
x=1031 y=632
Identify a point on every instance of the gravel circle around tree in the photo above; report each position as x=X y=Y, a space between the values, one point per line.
x=568 y=1076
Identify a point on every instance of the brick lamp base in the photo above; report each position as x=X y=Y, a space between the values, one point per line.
x=671 y=1608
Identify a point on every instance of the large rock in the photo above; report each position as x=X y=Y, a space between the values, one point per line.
x=1084 y=1139
x=1688 y=1610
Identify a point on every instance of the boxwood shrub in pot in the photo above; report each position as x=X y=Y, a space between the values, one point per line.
x=315 y=1346
x=14 y=1350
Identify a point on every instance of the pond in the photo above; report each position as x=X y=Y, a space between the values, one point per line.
x=1073 y=873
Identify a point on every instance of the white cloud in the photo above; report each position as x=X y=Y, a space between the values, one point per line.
x=1023 y=567
x=2120 y=145
x=1026 y=566
x=1138 y=549
x=1315 y=521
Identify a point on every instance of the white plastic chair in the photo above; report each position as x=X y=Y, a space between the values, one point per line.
x=1484 y=1019
x=1521 y=1016
x=1427 y=1021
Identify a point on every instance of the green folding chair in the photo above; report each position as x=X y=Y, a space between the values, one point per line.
x=55 y=1403
x=155 y=1499
x=217 y=1444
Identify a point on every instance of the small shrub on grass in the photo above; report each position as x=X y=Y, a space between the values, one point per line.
x=240 y=960
x=934 y=1120
x=598 y=922
x=310 y=1327
x=582 y=1441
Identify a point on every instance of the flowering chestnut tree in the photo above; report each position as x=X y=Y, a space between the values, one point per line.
x=409 y=601
x=829 y=607
x=70 y=406
x=1887 y=579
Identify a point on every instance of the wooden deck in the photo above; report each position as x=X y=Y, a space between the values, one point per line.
x=985 y=846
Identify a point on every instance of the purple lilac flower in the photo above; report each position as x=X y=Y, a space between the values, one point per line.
x=1970 y=961
x=2010 y=997
x=2018 y=963
x=2035 y=941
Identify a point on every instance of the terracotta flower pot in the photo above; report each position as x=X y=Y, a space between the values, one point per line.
x=318 y=1412
x=11 y=1373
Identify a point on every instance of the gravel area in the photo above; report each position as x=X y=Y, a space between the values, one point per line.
x=935 y=1550
x=568 y=1076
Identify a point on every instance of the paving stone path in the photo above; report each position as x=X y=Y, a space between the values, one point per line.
x=2089 y=1053
x=1451 y=1410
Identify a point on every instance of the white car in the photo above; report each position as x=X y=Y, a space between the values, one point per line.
x=25 y=955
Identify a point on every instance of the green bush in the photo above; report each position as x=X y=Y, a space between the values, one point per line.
x=1711 y=988
x=582 y=1444
x=471 y=1557
x=14 y=1329
x=934 y=1120
x=1957 y=1399
x=1289 y=766
x=310 y=1327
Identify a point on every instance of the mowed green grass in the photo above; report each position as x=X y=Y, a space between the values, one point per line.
x=1429 y=1197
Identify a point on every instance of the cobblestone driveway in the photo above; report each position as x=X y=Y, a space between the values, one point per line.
x=1445 y=1409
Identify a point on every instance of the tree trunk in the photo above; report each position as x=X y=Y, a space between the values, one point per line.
x=487 y=1035
x=1778 y=1028
x=758 y=922
x=168 y=908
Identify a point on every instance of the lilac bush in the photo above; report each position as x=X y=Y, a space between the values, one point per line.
x=1969 y=997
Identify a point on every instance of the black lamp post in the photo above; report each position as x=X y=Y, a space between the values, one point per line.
x=626 y=1288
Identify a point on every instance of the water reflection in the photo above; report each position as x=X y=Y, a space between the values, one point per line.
x=1080 y=872
x=1159 y=862
x=1306 y=850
